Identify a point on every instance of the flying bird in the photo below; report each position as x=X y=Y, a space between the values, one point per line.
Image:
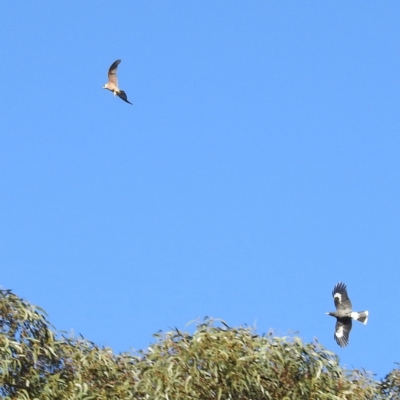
x=112 y=83
x=344 y=314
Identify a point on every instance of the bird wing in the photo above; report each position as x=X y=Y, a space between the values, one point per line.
x=340 y=297
x=342 y=331
x=112 y=73
x=122 y=95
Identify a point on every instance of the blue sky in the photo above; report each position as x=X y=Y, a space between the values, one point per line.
x=257 y=167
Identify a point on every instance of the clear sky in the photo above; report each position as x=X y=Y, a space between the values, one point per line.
x=257 y=167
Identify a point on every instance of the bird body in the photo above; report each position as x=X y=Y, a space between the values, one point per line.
x=344 y=314
x=112 y=83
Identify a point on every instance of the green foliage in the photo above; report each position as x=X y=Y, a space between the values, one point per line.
x=34 y=364
x=214 y=362
x=390 y=386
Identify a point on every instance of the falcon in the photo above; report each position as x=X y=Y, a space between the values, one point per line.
x=112 y=83
x=344 y=314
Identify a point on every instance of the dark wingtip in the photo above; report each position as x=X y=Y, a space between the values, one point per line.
x=122 y=95
x=339 y=287
x=114 y=65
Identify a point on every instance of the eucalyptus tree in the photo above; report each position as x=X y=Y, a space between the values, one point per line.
x=213 y=361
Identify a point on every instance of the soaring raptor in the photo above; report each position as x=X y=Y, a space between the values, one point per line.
x=344 y=314
x=112 y=83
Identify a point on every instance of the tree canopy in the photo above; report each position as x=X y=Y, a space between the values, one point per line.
x=213 y=362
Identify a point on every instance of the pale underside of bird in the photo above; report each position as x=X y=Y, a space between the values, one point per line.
x=344 y=314
x=112 y=83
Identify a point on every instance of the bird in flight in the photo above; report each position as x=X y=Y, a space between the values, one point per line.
x=112 y=83
x=344 y=314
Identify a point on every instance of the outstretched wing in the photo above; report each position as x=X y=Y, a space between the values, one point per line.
x=122 y=95
x=342 y=331
x=340 y=297
x=112 y=73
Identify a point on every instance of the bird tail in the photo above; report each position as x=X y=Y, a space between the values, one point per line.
x=361 y=316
